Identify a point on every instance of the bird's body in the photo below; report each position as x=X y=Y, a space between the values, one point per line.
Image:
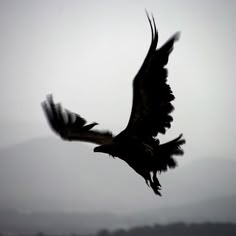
x=137 y=144
x=146 y=157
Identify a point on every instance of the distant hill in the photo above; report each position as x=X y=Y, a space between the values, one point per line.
x=48 y=180
x=47 y=174
x=47 y=184
x=206 y=229
x=51 y=175
x=15 y=132
x=212 y=211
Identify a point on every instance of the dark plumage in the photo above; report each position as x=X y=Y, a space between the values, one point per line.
x=137 y=144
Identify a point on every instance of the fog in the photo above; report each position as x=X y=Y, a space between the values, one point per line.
x=86 y=53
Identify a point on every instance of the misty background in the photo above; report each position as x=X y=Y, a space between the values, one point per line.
x=86 y=53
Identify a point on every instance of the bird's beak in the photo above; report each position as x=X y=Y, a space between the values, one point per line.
x=96 y=149
x=102 y=148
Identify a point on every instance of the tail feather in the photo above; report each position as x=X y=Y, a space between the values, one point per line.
x=161 y=162
x=166 y=152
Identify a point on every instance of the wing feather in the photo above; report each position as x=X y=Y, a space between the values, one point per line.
x=152 y=95
x=70 y=126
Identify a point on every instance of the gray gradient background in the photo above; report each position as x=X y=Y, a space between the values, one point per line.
x=87 y=52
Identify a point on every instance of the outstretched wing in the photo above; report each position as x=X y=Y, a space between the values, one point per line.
x=70 y=126
x=152 y=95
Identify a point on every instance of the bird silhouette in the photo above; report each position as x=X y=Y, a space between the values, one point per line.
x=137 y=144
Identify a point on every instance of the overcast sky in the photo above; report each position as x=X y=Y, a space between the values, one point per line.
x=87 y=52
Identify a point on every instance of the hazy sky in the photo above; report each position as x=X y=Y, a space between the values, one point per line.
x=87 y=52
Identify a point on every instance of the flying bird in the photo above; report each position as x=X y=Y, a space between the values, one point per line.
x=137 y=144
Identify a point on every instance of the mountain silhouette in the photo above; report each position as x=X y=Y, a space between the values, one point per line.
x=48 y=174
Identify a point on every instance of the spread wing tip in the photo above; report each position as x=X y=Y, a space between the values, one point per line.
x=177 y=35
x=71 y=126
